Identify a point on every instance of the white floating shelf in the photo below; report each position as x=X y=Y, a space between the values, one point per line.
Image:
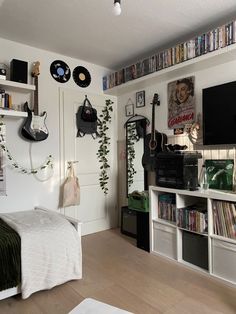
x=15 y=86
x=12 y=113
x=199 y=63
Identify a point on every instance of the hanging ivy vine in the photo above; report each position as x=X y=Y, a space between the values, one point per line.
x=104 y=141
x=132 y=138
x=48 y=162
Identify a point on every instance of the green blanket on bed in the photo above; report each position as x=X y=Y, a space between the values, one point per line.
x=10 y=257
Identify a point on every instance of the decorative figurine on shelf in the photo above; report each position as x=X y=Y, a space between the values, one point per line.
x=203 y=180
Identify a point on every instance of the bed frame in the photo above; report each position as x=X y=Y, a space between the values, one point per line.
x=16 y=290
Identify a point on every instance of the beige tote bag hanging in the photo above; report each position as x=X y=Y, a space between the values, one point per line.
x=71 y=189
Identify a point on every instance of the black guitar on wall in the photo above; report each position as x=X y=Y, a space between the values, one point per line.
x=34 y=127
x=154 y=142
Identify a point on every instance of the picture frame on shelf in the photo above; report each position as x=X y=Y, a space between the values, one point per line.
x=129 y=109
x=140 y=99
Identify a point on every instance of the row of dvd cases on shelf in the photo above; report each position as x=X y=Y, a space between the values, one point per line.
x=217 y=38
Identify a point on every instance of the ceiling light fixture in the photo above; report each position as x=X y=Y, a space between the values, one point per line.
x=117 y=7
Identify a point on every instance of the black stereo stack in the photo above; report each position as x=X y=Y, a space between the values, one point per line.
x=19 y=71
x=178 y=170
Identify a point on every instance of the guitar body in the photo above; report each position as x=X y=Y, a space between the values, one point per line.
x=149 y=156
x=154 y=142
x=34 y=127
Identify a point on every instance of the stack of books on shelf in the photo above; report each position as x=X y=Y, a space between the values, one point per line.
x=224 y=219
x=192 y=218
x=5 y=100
x=167 y=207
x=217 y=38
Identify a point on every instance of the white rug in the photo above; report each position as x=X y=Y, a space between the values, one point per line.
x=91 y=306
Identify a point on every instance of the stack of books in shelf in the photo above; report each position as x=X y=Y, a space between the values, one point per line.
x=217 y=38
x=5 y=100
x=167 y=207
x=224 y=219
x=193 y=219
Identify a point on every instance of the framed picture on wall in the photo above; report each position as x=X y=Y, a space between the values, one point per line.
x=129 y=110
x=140 y=99
x=181 y=102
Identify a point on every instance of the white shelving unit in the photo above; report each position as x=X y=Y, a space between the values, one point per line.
x=17 y=88
x=202 y=62
x=169 y=240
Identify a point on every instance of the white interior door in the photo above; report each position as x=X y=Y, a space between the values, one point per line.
x=96 y=211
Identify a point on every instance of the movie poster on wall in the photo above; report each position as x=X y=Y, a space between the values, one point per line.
x=2 y=161
x=181 y=102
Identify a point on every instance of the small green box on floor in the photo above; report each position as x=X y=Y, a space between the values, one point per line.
x=139 y=201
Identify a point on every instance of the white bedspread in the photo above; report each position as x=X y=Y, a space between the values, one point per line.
x=91 y=306
x=50 y=249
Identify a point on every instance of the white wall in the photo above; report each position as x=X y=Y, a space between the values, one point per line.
x=210 y=76
x=26 y=191
x=204 y=78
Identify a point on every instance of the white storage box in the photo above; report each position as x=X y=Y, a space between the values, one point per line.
x=164 y=240
x=224 y=259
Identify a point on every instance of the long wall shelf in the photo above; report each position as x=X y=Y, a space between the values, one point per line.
x=199 y=63
x=16 y=87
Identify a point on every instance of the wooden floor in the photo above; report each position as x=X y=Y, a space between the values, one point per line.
x=116 y=272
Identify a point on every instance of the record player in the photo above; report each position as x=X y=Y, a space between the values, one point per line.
x=178 y=169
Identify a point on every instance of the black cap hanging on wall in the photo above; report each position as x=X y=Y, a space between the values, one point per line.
x=117 y=7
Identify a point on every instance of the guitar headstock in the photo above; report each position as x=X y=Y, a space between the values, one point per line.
x=156 y=100
x=35 y=69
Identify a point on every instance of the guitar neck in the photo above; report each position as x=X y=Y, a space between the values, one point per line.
x=153 y=123
x=36 y=97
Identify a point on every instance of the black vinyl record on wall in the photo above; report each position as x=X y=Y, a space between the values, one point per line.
x=81 y=76
x=60 y=71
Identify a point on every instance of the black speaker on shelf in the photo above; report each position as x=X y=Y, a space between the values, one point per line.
x=19 y=71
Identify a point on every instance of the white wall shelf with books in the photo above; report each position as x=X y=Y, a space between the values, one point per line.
x=195 y=228
x=198 y=63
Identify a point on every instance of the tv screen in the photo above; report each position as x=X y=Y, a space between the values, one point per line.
x=219 y=114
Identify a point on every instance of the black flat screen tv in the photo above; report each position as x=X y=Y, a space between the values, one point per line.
x=219 y=114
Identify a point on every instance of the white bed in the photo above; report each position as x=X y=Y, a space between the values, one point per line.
x=77 y=225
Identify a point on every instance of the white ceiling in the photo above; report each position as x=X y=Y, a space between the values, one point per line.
x=88 y=30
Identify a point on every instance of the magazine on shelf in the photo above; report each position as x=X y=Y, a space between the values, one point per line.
x=220 y=173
